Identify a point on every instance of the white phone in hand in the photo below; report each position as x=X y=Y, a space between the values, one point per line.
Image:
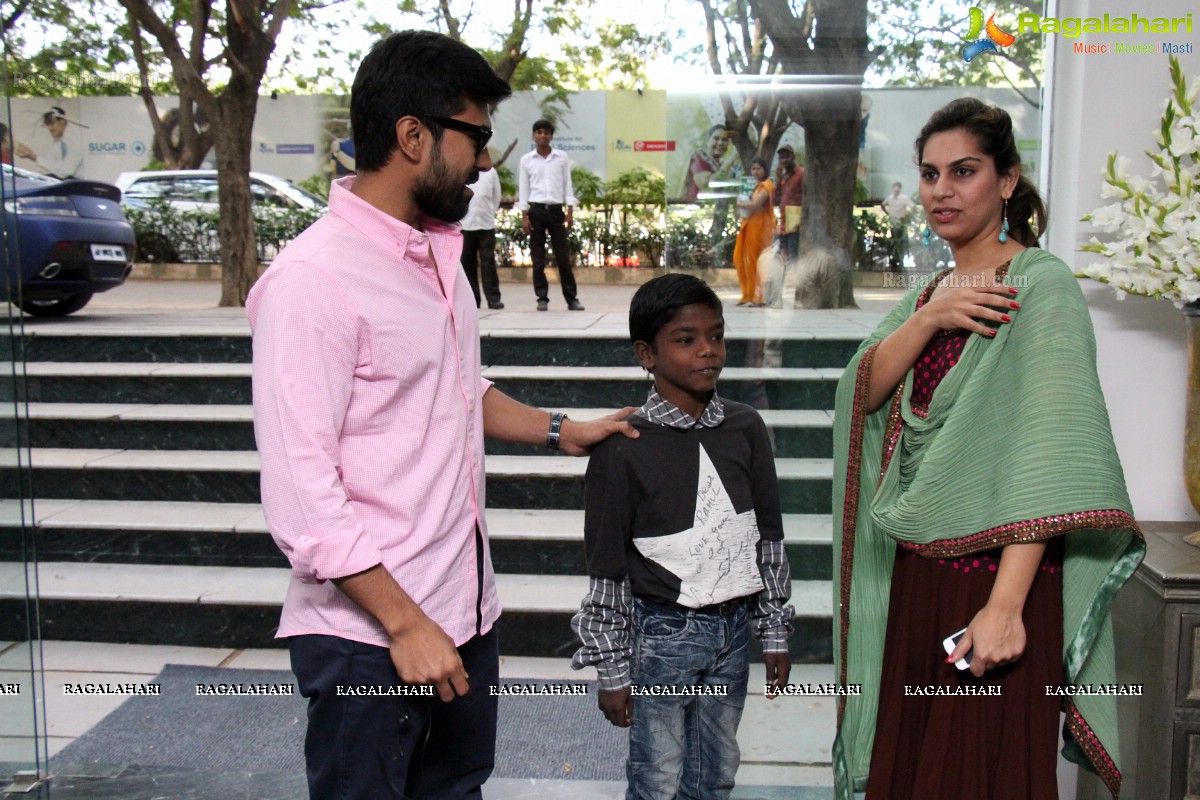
x=951 y=642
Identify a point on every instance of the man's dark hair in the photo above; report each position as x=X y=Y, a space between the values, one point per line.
x=543 y=125
x=415 y=73
x=659 y=299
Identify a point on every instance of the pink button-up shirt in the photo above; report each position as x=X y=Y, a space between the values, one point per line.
x=369 y=420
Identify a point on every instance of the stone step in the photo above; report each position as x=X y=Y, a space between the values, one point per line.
x=523 y=482
x=166 y=426
x=239 y=607
x=540 y=542
x=600 y=387
x=603 y=345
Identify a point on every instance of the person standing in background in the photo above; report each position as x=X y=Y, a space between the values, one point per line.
x=789 y=197
x=758 y=229
x=479 y=238
x=341 y=151
x=898 y=207
x=546 y=199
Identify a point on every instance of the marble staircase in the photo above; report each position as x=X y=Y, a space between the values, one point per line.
x=143 y=467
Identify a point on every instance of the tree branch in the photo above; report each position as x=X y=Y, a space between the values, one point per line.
x=144 y=88
x=12 y=18
x=187 y=78
x=452 y=27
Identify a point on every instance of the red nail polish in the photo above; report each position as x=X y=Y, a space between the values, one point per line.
x=991 y=333
x=949 y=659
x=1006 y=318
x=1015 y=304
x=1012 y=290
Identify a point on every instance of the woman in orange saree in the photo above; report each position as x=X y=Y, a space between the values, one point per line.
x=758 y=230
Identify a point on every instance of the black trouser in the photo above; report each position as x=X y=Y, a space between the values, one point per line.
x=899 y=246
x=479 y=256
x=393 y=747
x=543 y=218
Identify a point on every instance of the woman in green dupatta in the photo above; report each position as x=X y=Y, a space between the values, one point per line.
x=977 y=486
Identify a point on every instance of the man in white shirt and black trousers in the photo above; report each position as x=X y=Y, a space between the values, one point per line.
x=546 y=198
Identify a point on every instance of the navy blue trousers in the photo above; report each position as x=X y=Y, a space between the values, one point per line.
x=393 y=747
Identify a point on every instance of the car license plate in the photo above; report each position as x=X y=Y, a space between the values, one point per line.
x=108 y=252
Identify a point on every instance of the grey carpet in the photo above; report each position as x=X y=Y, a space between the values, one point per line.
x=538 y=737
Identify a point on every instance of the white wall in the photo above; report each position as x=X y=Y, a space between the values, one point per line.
x=1101 y=103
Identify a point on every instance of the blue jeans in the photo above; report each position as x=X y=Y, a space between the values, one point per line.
x=686 y=746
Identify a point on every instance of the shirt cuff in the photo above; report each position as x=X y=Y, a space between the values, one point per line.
x=318 y=559
x=613 y=675
x=775 y=641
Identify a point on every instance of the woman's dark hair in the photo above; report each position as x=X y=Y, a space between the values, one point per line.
x=415 y=73
x=762 y=162
x=992 y=126
x=658 y=300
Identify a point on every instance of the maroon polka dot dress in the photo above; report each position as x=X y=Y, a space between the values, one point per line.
x=984 y=747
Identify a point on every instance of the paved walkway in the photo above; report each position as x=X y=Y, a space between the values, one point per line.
x=197 y=295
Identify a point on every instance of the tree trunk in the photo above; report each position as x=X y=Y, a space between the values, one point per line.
x=829 y=39
x=239 y=250
x=830 y=173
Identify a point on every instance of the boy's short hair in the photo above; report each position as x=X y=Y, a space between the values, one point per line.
x=657 y=301
x=543 y=125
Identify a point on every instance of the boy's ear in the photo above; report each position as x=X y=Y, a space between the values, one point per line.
x=644 y=351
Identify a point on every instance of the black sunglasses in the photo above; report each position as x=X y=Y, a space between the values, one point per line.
x=478 y=133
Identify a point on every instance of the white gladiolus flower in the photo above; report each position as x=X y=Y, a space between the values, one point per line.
x=1154 y=248
x=1121 y=168
x=1138 y=184
x=1109 y=218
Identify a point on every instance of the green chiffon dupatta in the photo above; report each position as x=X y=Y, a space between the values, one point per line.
x=1014 y=447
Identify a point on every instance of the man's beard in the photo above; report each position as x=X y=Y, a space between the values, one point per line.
x=439 y=195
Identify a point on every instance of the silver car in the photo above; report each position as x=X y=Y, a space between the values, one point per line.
x=175 y=212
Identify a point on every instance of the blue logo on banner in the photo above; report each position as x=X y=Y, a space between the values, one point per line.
x=295 y=149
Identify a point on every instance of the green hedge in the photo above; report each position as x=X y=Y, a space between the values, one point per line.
x=166 y=234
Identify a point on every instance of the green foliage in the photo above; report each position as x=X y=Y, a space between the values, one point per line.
x=588 y=187
x=872 y=237
x=510 y=237
x=920 y=46
x=508 y=181
x=619 y=222
x=317 y=184
x=688 y=244
x=614 y=57
x=166 y=234
x=638 y=186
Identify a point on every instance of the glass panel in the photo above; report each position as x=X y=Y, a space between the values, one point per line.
x=23 y=742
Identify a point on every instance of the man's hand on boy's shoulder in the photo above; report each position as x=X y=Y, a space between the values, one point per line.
x=617 y=705
x=779 y=668
x=578 y=438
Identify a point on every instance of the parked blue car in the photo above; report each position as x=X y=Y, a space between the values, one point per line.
x=64 y=241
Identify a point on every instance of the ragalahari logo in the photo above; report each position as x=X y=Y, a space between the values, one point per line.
x=995 y=36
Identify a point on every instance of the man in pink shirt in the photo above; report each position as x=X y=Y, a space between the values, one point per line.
x=369 y=414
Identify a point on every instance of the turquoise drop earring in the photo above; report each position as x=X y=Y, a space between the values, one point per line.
x=926 y=236
x=1004 y=224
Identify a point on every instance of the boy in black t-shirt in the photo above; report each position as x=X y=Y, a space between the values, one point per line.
x=684 y=540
